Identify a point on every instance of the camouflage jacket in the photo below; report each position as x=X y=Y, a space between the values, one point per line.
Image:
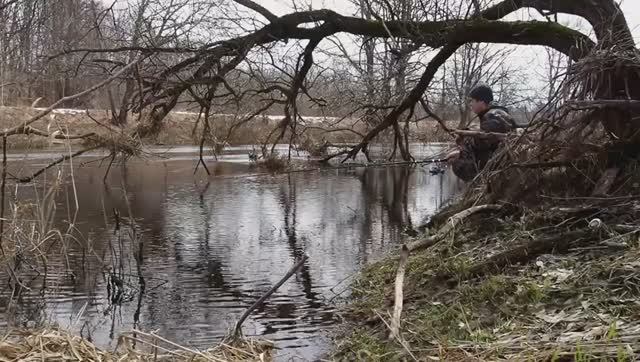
x=475 y=152
x=495 y=120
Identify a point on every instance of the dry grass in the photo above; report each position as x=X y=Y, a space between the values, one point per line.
x=274 y=163
x=58 y=345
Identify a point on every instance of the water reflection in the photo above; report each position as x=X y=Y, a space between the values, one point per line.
x=211 y=247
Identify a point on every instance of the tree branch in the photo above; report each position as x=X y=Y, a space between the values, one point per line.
x=414 y=96
x=435 y=34
x=606 y=17
x=28 y=130
x=27 y=179
x=258 y=9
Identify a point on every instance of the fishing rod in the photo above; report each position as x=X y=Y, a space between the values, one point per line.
x=337 y=167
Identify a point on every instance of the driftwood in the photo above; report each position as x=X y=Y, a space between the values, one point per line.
x=397 y=308
x=237 y=331
x=451 y=224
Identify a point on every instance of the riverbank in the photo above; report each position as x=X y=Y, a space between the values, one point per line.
x=184 y=128
x=557 y=282
x=58 y=345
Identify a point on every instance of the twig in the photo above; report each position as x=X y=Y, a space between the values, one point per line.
x=172 y=344
x=237 y=331
x=397 y=308
x=258 y=8
x=401 y=341
x=430 y=113
x=604 y=103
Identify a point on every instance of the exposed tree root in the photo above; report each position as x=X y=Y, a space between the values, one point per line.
x=523 y=254
x=450 y=226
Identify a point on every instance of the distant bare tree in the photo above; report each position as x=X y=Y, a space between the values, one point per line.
x=216 y=54
x=556 y=66
x=470 y=65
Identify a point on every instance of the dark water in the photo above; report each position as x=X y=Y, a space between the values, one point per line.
x=210 y=246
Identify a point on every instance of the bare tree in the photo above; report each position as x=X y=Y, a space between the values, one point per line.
x=189 y=60
x=470 y=65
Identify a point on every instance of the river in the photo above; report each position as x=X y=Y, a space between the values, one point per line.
x=210 y=246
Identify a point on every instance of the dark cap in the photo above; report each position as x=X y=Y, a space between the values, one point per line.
x=482 y=93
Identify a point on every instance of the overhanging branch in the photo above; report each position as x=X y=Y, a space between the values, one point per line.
x=433 y=34
x=258 y=9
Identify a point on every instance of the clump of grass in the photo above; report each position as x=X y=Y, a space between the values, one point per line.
x=313 y=145
x=529 y=293
x=274 y=163
x=362 y=345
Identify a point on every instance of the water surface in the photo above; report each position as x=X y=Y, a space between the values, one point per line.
x=210 y=246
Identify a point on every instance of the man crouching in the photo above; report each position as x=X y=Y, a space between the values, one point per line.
x=473 y=153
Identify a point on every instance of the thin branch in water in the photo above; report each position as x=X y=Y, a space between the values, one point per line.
x=28 y=179
x=237 y=331
x=106 y=173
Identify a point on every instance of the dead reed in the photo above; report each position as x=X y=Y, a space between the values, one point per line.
x=54 y=344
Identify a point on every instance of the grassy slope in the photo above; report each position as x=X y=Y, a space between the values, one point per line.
x=582 y=305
